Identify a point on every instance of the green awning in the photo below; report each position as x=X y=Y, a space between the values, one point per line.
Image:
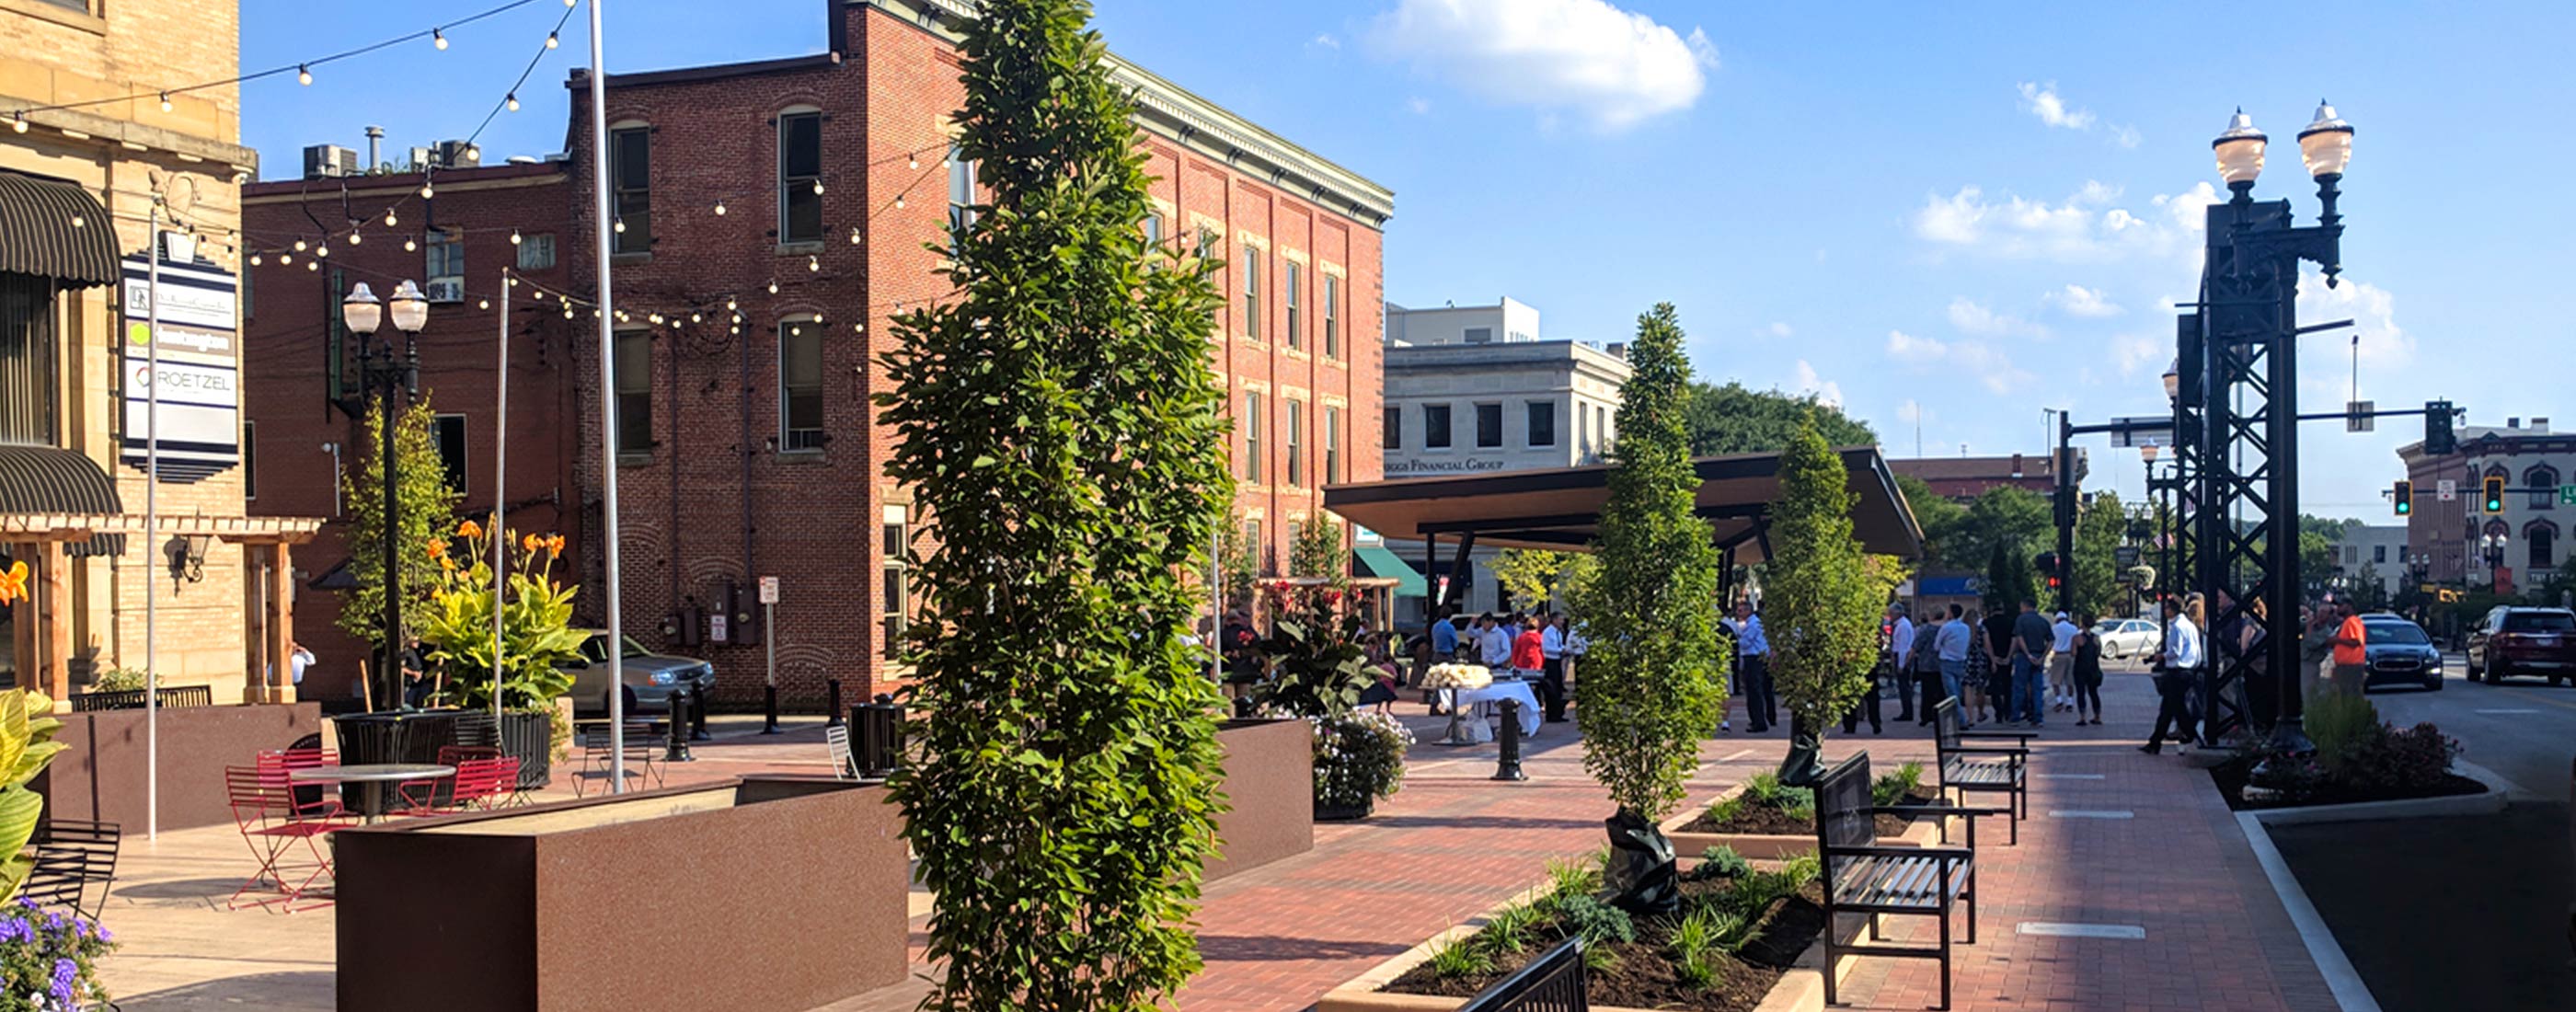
x=1381 y=563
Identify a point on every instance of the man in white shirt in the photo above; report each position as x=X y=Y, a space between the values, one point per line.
x=1900 y=646
x=1493 y=642
x=2175 y=675
x=1753 y=668
x=2061 y=663
x=1551 y=645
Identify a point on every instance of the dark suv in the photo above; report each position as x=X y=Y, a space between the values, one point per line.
x=2533 y=642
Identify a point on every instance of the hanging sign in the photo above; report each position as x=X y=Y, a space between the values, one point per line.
x=198 y=384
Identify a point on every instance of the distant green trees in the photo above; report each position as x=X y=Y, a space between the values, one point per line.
x=1734 y=419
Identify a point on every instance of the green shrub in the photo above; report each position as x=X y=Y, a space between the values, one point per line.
x=2339 y=724
x=1692 y=941
x=1567 y=878
x=2394 y=761
x=1599 y=923
x=1725 y=862
x=1891 y=788
x=1508 y=931
x=1460 y=958
x=1800 y=870
x=119 y=680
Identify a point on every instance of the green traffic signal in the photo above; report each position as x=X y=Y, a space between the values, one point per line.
x=2403 y=497
x=2494 y=494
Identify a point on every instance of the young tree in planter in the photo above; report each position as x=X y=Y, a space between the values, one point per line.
x=427 y=506
x=1653 y=683
x=1061 y=432
x=1318 y=552
x=1821 y=598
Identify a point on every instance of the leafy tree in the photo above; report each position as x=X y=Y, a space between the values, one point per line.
x=1653 y=682
x=1058 y=423
x=1821 y=598
x=1238 y=562
x=2099 y=526
x=1318 y=551
x=1733 y=419
x=1943 y=521
x=1533 y=576
x=427 y=506
x=2009 y=580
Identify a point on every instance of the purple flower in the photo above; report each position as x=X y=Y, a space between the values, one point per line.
x=65 y=973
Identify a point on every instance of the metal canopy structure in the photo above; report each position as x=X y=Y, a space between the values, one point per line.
x=1559 y=509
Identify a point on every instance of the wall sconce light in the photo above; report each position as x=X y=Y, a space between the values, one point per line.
x=187 y=554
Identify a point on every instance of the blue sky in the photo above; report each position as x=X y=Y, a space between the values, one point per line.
x=1957 y=214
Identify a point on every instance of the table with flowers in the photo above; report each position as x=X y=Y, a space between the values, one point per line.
x=1474 y=685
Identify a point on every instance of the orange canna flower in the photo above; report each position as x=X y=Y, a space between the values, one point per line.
x=555 y=543
x=13 y=582
x=532 y=542
x=438 y=549
x=469 y=529
x=447 y=563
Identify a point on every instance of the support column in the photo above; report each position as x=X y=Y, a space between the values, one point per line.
x=256 y=658
x=55 y=596
x=280 y=619
x=22 y=624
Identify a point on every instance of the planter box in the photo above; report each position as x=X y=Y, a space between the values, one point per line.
x=100 y=774
x=1775 y=847
x=1269 y=786
x=773 y=892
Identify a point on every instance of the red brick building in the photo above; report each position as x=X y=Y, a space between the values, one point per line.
x=1965 y=478
x=456 y=245
x=802 y=195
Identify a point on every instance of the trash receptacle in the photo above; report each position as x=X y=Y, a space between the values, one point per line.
x=880 y=737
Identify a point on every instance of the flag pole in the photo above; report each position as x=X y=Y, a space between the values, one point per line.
x=607 y=408
x=151 y=527
x=500 y=531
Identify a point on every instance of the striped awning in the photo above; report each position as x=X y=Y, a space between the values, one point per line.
x=45 y=479
x=53 y=229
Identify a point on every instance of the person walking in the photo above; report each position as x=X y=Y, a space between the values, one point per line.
x=2316 y=646
x=2084 y=672
x=1900 y=654
x=1977 y=686
x=2351 y=651
x=2176 y=672
x=2030 y=652
x=1753 y=665
x=2061 y=661
x=1952 y=646
x=1552 y=678
x=1923 y=666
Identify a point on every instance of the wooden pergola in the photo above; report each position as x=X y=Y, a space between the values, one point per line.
x=43 y=618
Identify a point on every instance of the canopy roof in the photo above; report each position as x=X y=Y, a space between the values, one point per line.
x=1560 y=508
x=54 y=229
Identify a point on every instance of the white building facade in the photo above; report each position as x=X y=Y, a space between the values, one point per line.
x=2375 y=552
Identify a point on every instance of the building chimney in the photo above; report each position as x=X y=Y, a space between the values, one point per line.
x=375 y=147
x=2016 y=462
x=2513 y=423
x=2540 y=426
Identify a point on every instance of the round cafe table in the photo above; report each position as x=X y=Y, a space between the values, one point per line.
x=1465 y=730
x=373 y=780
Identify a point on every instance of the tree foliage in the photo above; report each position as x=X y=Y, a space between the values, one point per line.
x=1654 y=680
x=1059 y=426
x=1733 y=419
x=1943 y=521
x=1318 y=551
x=1535 y=577
x=2099 y=528
x=1822 y=595
x=427 y=506
x=1238 y=562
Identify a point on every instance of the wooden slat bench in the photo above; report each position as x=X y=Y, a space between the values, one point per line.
x=1861 y=877
x=1968 y=767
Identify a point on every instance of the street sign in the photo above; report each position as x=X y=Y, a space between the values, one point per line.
x=2358 y=416
x=2567 y=495
x=2154 y=430
x=2446 y=490
x=2124 y=556
x=715 y=625
x=769 y=590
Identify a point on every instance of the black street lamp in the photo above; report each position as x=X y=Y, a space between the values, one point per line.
x=385 y=374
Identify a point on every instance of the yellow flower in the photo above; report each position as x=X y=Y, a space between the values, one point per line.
x=555 y=543
x=469 y=529
x=438 y=549
x=447 y=563
x=13 y=582
x=532 y=542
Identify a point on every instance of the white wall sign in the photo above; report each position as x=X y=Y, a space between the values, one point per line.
x=199 y=386
x=769 y=590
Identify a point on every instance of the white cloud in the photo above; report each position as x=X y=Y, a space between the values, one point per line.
x=1967 y=359
x=1418 y=105
x=2372 y=309
x=1912 y=412
x=2132 y=352
x=1971 y=318
x=1780 y=328
x=2088 y=226
x=2126 y=136
x=2042 y=100
x=1609 y=67
x=1826 y=391
x=2077 y=300
x=1327 y=41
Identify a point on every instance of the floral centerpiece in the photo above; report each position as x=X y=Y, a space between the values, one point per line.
x=536 y=637
x=1359 y=758
x=1317 y=671
x=1457 y=676
x=49 y=961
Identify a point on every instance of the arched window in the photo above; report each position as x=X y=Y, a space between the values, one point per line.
x=2543 y=483
x=2542 y=539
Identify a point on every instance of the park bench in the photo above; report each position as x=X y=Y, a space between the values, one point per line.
x=1862 y=877
x=1554 y=982
x=132 y=699
x=1968 y=767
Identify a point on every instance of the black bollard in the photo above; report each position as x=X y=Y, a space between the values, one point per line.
x=1509 y=768
x=834 y=709
x=698 y=716
x=769 y=712
x=677 y=749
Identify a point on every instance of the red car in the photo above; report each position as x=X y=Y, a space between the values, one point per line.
x=2530 y=642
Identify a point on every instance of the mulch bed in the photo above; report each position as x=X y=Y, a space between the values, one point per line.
x=1644 y=975
x=1764 y=819
x=2230 y=779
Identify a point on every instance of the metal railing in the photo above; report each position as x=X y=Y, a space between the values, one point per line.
x=132 y=699
x=1553 y=982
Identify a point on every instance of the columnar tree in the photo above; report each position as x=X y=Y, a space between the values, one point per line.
x=1654 y=681
x=1821 y=597
x=1060 y=428
x=427 y=506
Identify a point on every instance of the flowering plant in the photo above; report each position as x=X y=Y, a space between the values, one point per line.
x=49 y=961
x=1359 y=757
x=1457 y=676
x=13 y=581
x=1313 y=653
x=536 y=619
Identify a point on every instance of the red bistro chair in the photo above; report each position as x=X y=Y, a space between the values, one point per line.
x=272 y=823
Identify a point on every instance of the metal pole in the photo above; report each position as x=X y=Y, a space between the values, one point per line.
x=151 y=529
x=388 y=471
x=769 y=621
x=607 y=407
x=500 y=531
x=2064 y=505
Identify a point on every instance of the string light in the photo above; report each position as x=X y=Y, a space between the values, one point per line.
x=18 y=123
x=438 y=38
x=693 y=317
x=656 y=318
x=303 y=74
x=285 y=259
x=312 y=265
x=911 y=161
x=299 y=245
x=426 y=191
x=514 y=237
x=729 y=306
x=621 y=226
x=353 y=238
x=854 y=235
x=898 y=202
x=389 y=218
x=410 y=246
x=322 y=250
x=165 y=101
x=254 y=260
x=512 y=101
x=514 y=282
x=551 y=41
x=859 y=328
x=482 y=303
x=773 y=286
x=720 y=208
x=818 y=187
x=813 y=263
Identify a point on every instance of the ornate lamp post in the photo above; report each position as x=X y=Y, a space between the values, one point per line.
x=385 y=373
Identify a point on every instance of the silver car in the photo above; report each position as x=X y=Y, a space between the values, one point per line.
x=2129 y=637
x=650 y=677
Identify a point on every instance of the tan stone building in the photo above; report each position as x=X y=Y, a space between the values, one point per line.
x=93 y=148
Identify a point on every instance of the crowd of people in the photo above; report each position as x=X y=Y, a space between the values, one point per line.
x=1535 y=646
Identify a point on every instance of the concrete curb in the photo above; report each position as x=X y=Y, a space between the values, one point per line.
x=1778 y=847
x=2350 y=993
x=2487 y=802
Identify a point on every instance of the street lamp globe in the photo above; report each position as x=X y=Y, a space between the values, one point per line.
x=2173 y=381
x=2326 y=144
x=361 y=311
x=411 y=311
x=2240 y=151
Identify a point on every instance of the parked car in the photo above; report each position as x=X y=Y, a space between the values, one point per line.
x=2532 y=642
x=2399 y=653
x=650 y=677
x=2129 y=637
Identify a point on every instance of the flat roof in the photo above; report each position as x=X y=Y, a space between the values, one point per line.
x=1560 y=508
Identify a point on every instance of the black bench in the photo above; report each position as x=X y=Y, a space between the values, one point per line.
x=1860 y=876
x=1966 y=767
x=1554 y=982
x=132 y=699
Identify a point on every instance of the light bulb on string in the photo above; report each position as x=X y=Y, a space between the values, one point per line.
x=912 y=161
x=410 y=245
x=693 y=317
x=551 y=41
x=353 y=238
x=854 y=235
x=254 y=260
x=818 y=187
x=858 y=328
x=303 y=74
x=482 y=303
x=656 y=318
x=426 y=191
x=512 y=101
x=312 y=265
x=514 y=282
x=322 y=250
x=438 y=38
x=285 y=259
x=390 y=220
x=898 y=202
x=813 y=263
x=514 y=237
x=621 y=226
x=299 y=245
x=165 y=101
x=773 y=286
x=18 y=123
x=729 y=306
x=795 y=331
x=720 y=208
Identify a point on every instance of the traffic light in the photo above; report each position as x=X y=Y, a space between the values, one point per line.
x=2046 y=563
x=2403 y=497
x=2437 y=429
x=2495 y=493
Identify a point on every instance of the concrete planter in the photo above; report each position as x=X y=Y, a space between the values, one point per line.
x=1779 y=847
x=1269 y=788
x=100 y=773
x=773 y=892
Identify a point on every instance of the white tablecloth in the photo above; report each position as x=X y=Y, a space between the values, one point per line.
x=1499 y=691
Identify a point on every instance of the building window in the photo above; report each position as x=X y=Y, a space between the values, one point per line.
x=1601 y=427
x=633 y=383
x=536 y=252
x=1542 y=423
x=1252 y=293
x=1332 y=316
x=250 y=457
x=1435 y=426
x=1252 y=540
x=1153 y=226
x=1332 y=446
x=444 y=266
x=800 y=386
x=2543 y=483
x=1252 y=437
x=1480 y=335
x=895 y=577
x=800 y=177
x=1296 y=443
x=27 y=354
x=1393 y=437
x=630 y=177
x=1489 y=426
x=961 y=198
x=449 y=432
x=2543 y=540
x=1582 y=430
x=1295 y=276
x=2379 y=553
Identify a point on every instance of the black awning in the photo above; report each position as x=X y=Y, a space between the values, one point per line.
x=44 y=479
x=53 y=229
